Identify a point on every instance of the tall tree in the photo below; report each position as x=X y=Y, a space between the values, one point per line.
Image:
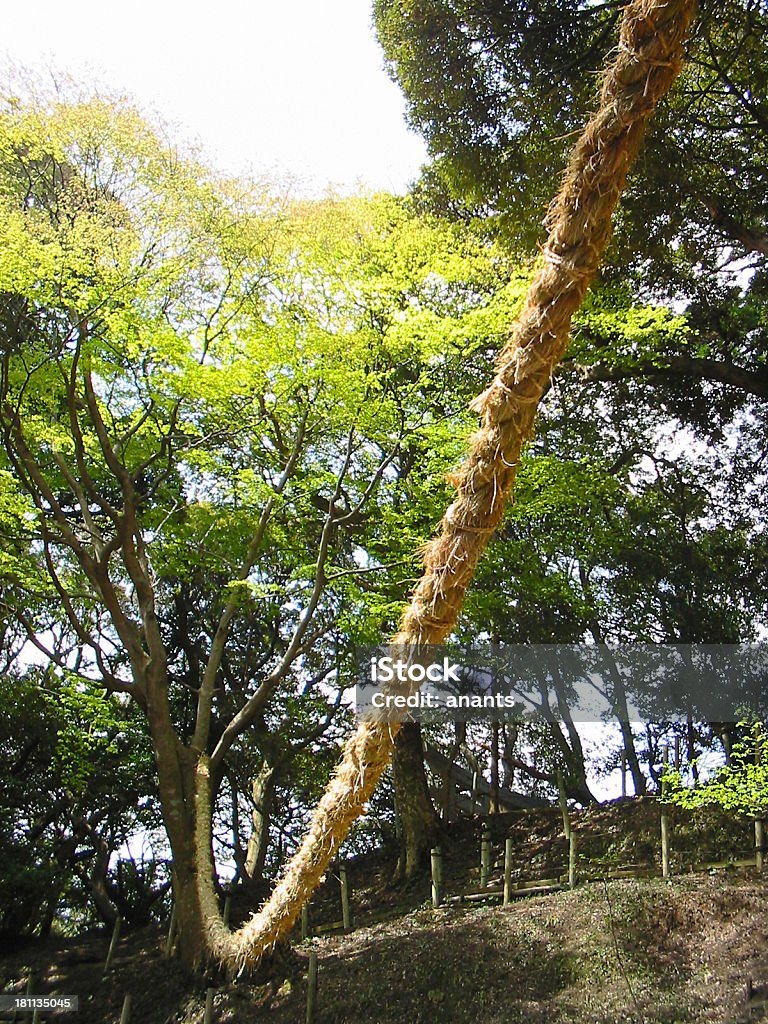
x=497 y=89
x=176 y=400
x=213 y=407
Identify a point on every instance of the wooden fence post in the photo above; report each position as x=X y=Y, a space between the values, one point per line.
x=485 y=856
x=561 y=795
x=759 y=843
x=30 y=992
x=125 y=1013
x=311 y=987
x=759 y=823
x=474 y=793
x=665 y=827
x=113 y=943
x=171 y=931
x=507 y=869
x=208 y=1015
x=436 y=861
x=305 y=929
x=568 y=831
x=345 y=911
x=665 y=844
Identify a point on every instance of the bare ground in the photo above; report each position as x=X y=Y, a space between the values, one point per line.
x=650 y=951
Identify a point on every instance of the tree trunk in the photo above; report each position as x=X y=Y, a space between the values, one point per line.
x=571 y=748
x=494 y=801
x=263 y=792
x=639 y=780
x=417 y=820
x=726 y=739
x=510 y=733
x=618 y=696
x=691 y=754
x=448 y=795
x=193 y=951
x=176 y=768
x=97 y=880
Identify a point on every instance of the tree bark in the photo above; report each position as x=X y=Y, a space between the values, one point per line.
x=639 y=781
x=176 y=769
x=575 y=775
x=618 y=691
x=494 y=803
x=418 y=823
x=263 y=792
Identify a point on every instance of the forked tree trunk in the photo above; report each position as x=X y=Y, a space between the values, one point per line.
x=176 y=770
x=649 y=58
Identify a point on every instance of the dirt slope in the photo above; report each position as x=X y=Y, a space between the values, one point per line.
x=611 y=951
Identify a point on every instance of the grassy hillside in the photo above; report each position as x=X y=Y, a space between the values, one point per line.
x=644 y=950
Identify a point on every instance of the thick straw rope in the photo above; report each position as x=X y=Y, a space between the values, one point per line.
x=649 y=57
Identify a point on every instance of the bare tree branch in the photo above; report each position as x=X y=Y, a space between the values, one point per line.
x=753 y=382
x=205 y=698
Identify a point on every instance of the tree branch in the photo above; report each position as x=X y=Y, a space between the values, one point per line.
x=205 y=698
x=753 y=382
x=753 y=241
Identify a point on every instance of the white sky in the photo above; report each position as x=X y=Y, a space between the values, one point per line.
x=296 y=87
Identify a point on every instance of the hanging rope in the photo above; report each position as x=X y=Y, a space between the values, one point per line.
x=648 y=59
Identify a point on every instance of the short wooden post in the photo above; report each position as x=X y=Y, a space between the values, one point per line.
x=311 y=987
x=345 y=911
x=485 y=856
x=436 y=861
x=759 y=823
x=665 y=821
x=759 y=843
x=125 y=1013
x=171 y=932
x=562 y=797
x=208 y=1015
x=113 y=943
x=31 y=992
x=227 y=909
x=474 y=793
x=305 y=931
x=572 y=879
x=623 y=776
x=664 y=844
x=507 y=869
